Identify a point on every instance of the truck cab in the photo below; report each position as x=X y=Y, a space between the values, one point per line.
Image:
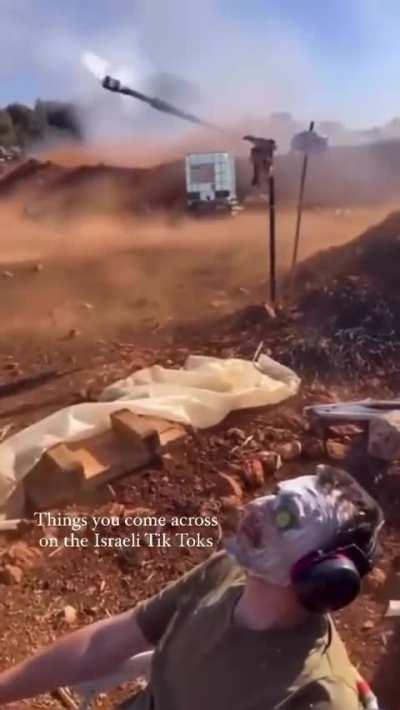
x=210 y=183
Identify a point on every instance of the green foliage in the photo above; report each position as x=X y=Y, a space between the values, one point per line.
x=8 y=135
x=27 y=124
x=62 y=116
x=24 y=126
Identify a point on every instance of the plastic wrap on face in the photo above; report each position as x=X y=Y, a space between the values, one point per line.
x=278 y=530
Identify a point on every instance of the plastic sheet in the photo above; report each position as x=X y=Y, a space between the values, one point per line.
x=200 y=395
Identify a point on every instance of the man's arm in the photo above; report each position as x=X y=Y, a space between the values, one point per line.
x=97 y=650
x=89 y=653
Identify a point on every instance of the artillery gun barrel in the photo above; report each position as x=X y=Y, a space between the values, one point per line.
x=115 y=85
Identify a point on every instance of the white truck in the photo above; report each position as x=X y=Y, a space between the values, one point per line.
x=210 y=183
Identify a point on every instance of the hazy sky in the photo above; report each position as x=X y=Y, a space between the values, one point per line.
x=337 y=59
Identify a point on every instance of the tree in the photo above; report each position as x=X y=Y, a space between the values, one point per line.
x=8 y=136
x=27 y=125
x=62 y=116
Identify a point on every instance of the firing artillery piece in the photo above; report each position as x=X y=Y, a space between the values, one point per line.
x=210 y=177
x=159 y=104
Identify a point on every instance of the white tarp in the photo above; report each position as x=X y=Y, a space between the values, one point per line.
x=201 y=395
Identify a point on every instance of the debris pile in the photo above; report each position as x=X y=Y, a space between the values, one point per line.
x=345 y=316
x=363 y=336
x=349 y=307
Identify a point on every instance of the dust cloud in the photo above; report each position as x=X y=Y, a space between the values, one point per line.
x=114 y=274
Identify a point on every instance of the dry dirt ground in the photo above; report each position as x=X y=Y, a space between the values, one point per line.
x=103 y=297
x=107 y=273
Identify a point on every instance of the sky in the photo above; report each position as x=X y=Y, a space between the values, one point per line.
x=336 y=60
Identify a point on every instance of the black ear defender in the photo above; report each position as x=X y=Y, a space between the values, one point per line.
x=326 y=581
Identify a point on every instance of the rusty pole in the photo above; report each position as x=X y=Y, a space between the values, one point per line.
x=300 y=208
x=272 y=236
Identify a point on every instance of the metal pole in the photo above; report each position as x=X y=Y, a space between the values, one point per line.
x=272 y=243
x=300 y=206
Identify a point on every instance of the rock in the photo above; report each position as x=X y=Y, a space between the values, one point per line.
x=289 y=451
x=227 y=486
x=313 y=448
x=292 y=421
x=236 y=433
x=70 y=615
x=87 y=306
x=337 y=450
x=384 y=436
x=271 y=461
x=368 y=625
x=252 y=473
x=73 y=333
x=375 y=581
x=11 y=574
x=7 y=275
x=276 y=434
x=24 y=556
x=12 y=366
x=37 y=268
x=217 y=441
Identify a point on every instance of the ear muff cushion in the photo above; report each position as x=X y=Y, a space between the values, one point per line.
x=326 y=584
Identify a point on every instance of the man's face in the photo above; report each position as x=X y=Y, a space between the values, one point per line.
x=277 y=530
x=263 y=544
x=257 y=528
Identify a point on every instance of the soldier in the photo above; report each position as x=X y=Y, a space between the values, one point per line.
x=261 y=156
x=248 y=628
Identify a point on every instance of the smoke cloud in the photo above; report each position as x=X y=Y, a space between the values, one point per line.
x=203 y=57
x=230 y=62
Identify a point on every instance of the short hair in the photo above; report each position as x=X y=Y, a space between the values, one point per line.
x=363 y=525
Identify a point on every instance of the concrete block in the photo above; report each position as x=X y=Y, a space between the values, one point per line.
x=167 y=431
x=55 y=479
x=136 y=430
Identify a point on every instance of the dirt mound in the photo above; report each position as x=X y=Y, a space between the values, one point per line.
x=93 y=179
x=374 y=255
x=345 y=317
x=348 y=305
x=87 y=188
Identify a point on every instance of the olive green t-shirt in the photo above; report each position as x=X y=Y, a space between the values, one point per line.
x=204 y=661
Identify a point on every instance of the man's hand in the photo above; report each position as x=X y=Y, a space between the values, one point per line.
x=87 y=654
